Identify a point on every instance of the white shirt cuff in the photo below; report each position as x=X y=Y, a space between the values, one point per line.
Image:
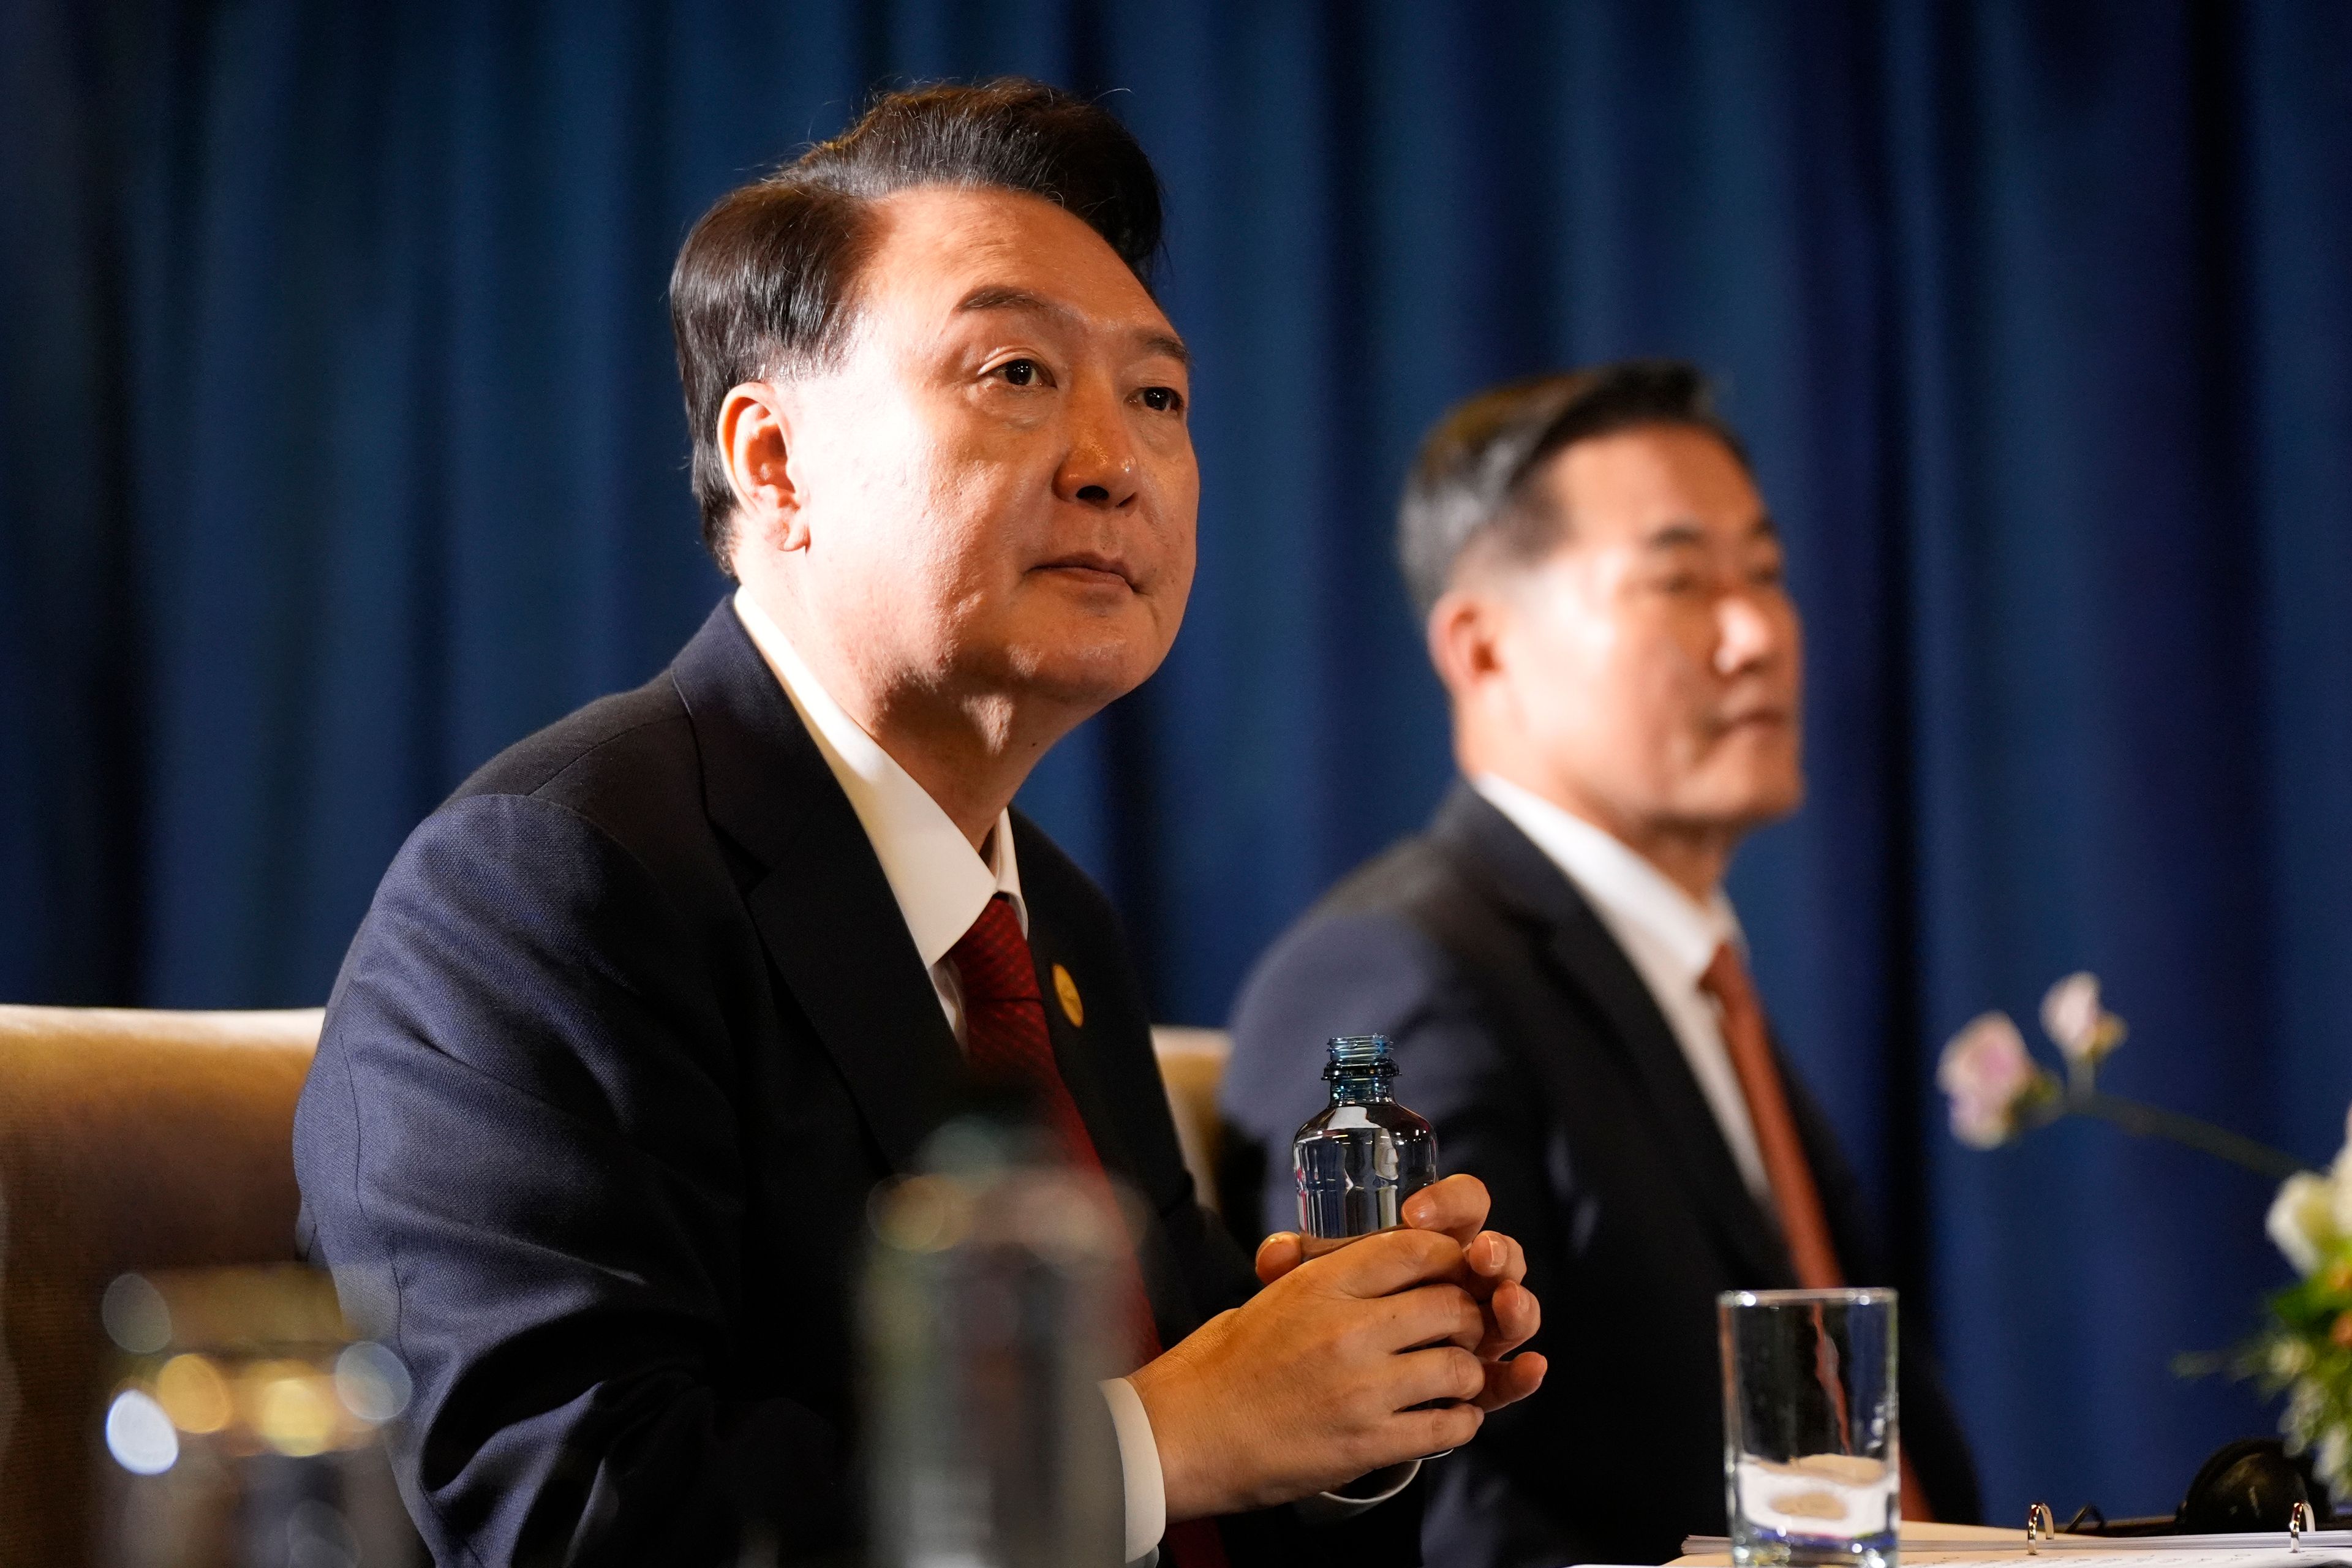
x=1139 y=1464
x=1329 y=1508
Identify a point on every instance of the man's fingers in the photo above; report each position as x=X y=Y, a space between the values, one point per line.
x=1277 y=1255
x=1388 y=1261
x=1455 y=1206
x=1426 y=1316
x=1513 y=1380
x=1446 y=1372
x=1494 y=1256
x=1419 y=1433
x=1513 y=1316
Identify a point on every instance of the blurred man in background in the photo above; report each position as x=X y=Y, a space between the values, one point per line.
x=640 y=1017
x=1563 y=977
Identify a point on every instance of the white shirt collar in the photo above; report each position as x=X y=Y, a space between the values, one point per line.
x=1631 y=895
x=941 y=883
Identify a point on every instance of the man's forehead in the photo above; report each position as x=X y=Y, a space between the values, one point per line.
x=1639 y=483
x=949 y=251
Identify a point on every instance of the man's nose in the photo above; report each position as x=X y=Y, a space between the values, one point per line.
x=1747 y=634
x=1100 y=467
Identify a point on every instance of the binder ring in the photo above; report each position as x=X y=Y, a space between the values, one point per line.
x=2299 y=1518
x=2039 y=1526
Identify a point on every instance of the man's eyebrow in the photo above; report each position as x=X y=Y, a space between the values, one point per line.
x=1167 y=344
x=1685 y=530
x=1674 y=535
x=1004 y=297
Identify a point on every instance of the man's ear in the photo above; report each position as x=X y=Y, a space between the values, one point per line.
x=755 y=439
x=1465 y=629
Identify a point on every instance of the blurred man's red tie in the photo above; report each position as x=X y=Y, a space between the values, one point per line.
x=1802 y=1221
x=1005 y=1038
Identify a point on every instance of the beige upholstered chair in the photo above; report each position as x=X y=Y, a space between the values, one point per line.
x=1192 y=1061
x=128 y=1140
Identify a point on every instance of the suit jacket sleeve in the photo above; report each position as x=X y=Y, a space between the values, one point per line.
x=519 y=1151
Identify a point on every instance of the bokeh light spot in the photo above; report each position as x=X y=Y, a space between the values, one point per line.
x=135 y=1316
x=374 y=1385
x=193 y=1393
x=140 y=1436
x=297 y=1416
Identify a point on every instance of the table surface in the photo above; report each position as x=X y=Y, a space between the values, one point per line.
x=1910 y=1529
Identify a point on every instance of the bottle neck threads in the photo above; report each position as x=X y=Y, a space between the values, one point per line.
x=1362 y=1069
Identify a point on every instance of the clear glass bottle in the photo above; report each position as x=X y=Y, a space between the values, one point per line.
x=1359 y=1160
x=992 y=1308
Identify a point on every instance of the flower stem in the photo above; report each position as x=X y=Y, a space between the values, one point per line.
x=2145 y=1121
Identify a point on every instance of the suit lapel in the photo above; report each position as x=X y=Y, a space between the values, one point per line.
x=1599 y=973
x=824 y=908
x=1078 y=1067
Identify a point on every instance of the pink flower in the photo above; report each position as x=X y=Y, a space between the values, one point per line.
x=2071 y=1016
x=1989 y=1076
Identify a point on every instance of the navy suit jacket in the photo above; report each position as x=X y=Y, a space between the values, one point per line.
x=1526 y=1037
x=632 y=1028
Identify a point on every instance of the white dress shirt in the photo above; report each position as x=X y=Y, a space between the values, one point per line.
x=942 y=885
x=1670 y=937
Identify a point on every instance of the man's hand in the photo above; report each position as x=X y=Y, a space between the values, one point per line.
x=1313 y=1382
x=1493 y=1271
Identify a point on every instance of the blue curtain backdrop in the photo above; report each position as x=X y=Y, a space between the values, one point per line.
x=340 y=446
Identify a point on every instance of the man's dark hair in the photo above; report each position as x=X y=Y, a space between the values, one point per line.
x=1472 y=486
x=764 y=284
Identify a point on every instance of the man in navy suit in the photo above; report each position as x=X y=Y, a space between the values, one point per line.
x=639 y=1018
x=1561 y=973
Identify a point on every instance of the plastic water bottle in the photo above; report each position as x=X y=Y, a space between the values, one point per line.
x=1364 y=1155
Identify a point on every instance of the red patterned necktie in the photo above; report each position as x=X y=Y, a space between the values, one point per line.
x=1803 y=1223
x=1005 y=1038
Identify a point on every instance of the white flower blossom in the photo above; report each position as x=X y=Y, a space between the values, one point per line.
x=2333 y=1457
x=1987 y=1073
x=2312 y=1214
x=2071 y=1016
x=2302 y=1221
x=2340 y=1178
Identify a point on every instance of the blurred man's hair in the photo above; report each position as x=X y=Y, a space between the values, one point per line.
x=1472 y=488
x=764 y=284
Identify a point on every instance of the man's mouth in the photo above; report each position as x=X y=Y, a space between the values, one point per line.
x=1088 y=565
x=1753 y=719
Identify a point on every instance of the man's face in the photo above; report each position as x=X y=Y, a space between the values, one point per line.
x=997 y=481
x=1654 y=658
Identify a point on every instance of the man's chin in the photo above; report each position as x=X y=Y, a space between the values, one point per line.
x=1766 y=803
x=1088 y=676
x=1745 y=804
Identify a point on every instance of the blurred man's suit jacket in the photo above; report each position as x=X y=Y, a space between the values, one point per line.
x=630 y=1032
x=1526 y=1035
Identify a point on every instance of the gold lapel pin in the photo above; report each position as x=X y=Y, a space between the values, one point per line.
x=1066 y=990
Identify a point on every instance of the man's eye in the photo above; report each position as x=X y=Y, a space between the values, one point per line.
x=1020 y=371
x=1162 y=399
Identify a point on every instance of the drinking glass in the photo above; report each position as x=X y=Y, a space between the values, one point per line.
x=993 y=1308
x=1812 y=1457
